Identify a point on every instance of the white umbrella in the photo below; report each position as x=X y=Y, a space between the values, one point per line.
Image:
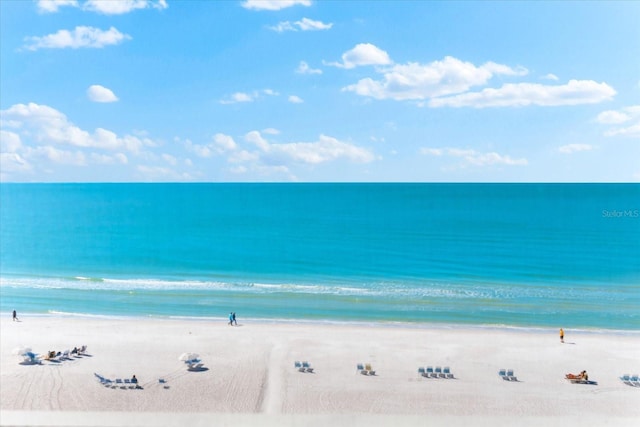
x=185 y=357
x=21 y=351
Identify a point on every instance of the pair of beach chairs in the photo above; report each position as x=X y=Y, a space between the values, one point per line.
x=303 y=366
x=632 y=380
x=194 y=365
x=437 y=372
x=507 y=375
x=365 y=369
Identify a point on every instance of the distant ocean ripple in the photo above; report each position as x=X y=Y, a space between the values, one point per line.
x=530 y=255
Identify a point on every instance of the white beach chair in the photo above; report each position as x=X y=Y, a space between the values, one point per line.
x=298 y=366
x=306 y=367
x=511 y=376
x=429 y=372
x=421 y=372
x=439 y=373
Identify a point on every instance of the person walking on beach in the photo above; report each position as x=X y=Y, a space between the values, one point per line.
x=233 y=318
x=15 y=316
x=561 y=335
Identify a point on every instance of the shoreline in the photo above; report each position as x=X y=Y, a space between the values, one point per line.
x=327 y=322
x=249 y=375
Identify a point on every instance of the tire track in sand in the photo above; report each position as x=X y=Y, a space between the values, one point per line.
x=271 y=393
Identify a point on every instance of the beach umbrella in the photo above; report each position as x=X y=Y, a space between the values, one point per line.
x=21 y=351
x=185 y=357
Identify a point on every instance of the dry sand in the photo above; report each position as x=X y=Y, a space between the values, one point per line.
x=250 y=377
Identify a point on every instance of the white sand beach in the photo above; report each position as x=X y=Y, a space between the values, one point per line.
x=249 y=376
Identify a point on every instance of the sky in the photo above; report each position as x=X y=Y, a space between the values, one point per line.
x=319 y=91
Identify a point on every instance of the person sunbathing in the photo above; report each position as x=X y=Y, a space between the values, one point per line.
x=581 y=376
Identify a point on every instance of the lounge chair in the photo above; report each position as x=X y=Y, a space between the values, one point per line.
x=163 y=382
x=120 y=383
x=422 y=372
x=511 y=376
x=438 y=372
x=635 y=380
x=369 y=370
x=360 y=368
x=306 y=367
x=195 y=367
x=447 y=372
x=430 y=373
x=298 y=366
x=503 y=374
x=626 y=378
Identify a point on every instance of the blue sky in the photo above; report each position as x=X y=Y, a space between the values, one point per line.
x=314 y=91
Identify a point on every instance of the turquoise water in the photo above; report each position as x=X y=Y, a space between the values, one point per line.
x=531 y=255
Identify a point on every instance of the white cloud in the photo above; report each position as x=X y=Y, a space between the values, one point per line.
x=632 y=131
x=305 y=24
x=106 y=159
x=52 y=6
x=224 y=142
x=238 y=97
x=119 y=7
x=324 y=150
x=575 y=92
x=295 y=99
x=271 y=131
x=273 y=4
x=159 y=173
x=415 y=81
x=80 y=37
x=9 y=141
x=41 y=123
x=472 y=157
x=220 y=144
x=303 y=68
x=574 y=148
x=97 y=93
x=612 y=117
x=59 y=156
x=618 y=117
x=550 y=77
x=362 y=54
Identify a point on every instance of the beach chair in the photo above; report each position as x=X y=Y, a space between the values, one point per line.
x=447 y=372
x=307 y=367
x=360 y=368
x=82 y=349
x=298 y=366
x=195 y=367
x=511 y=376
x=626 y=378
x=421 y=372
x=430 y=373
x=503 y=374
x=120 y=383
x=30 y=358
x=369 y=370
x=65 y=355
x=635 y=381
x=163 y=383
x=438 y=372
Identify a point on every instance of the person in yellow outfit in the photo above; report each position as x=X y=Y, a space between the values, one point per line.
x=561 y=335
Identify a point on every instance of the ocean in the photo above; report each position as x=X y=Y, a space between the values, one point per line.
x=515 y=255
